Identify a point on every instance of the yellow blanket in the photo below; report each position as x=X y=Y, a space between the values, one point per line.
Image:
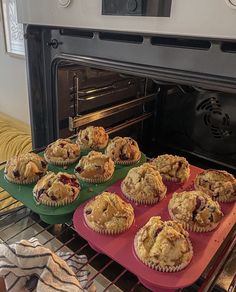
x=15 y=138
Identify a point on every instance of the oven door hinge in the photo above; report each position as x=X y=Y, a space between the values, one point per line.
x=54 y=43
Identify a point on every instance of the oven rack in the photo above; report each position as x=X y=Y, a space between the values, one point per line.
x=19 y=223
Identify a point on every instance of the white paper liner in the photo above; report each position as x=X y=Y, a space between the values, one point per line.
x=150 y=201
x=54 y=161
x=225 y=199
x=159 y=267
x=94 y=180
x=51 y=203
x=193 y=227
x=24 y=182
x=127 y=162
x=106 y=231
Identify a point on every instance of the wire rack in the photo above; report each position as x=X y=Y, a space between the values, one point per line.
x=18 y=222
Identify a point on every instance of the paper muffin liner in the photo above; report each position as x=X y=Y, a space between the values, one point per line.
x=86 y=148
x=150 y=201
x=94 y=180
x=50 y=203
x=127 y=162
x=54 y=161
x=23 y=182
x=107 y=231
x=224 y=199
x=193 y=227
x=159 y=267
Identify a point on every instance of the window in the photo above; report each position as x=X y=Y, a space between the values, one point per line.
x=14 y=35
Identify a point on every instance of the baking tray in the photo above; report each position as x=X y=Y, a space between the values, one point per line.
x=62 y=214
x=120 y=247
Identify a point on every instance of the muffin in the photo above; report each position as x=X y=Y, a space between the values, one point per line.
x=56 y=189
x=107 y=213
x=218 y=184
x=25 y=168
x=62 y=152
x=144 y=185
x=163 y=245
x=123 y=150
x=95 y=167
x=172 y=168
x=92 y=138
x=195 y=210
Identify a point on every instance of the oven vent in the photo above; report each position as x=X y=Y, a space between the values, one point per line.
x=181 y=42
x=118 y=37
x=228 y=47
x=77 y=33
x=214 y=118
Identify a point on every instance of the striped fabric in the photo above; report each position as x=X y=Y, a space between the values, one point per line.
x=29 y=266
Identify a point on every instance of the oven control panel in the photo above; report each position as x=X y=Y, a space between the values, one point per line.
x=194 y=18
x=158 y=8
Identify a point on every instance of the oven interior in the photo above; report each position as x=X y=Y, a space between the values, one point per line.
x=163 y=117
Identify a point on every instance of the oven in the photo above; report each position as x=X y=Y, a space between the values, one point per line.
x=162 y=72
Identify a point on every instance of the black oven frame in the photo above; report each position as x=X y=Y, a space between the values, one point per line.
x=204 y=63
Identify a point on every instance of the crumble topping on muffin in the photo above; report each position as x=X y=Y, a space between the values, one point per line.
x=123 y=150
x=172 y=168
x=218 y=184
x=95 y=167
x=108 y=213
x=25 y=168
x=144 y=185
x=163 y=245
x=56 y=189
x=92 y=138
x=62 y=152
x=195 y=210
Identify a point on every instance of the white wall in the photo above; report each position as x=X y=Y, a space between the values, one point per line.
x=13 y=83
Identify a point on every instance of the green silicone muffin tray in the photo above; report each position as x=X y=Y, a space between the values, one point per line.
x=62 y=214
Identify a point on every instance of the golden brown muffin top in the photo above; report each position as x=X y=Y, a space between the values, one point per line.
x=216 y=183
x=95 y=165
x=123 y=149
x=195 y=207
x=56 y=187
x=108 y=211
x=62 y=149
x=172 y=167
x=164 y=243
x=144 y=182
x=25 y=166
x=92 y=138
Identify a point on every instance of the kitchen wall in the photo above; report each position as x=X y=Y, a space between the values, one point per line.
x=13 y=83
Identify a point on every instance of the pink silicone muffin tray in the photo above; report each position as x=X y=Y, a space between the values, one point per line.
x=120 y=247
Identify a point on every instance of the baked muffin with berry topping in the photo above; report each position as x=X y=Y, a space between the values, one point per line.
x=163 y=245
x=92 y=138
x=62 y=152
x=25 y=168
x=172 y=168
x=195 y=210
x=107 y=213
x=56 y=189
x=144 y=185
x=218 y=184
x=123 y=150
x=95 y=167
